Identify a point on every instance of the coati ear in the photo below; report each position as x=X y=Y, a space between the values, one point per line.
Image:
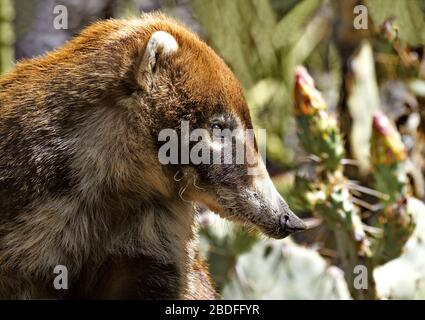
x=160 y=44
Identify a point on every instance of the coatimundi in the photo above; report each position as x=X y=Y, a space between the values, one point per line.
x=81 y=184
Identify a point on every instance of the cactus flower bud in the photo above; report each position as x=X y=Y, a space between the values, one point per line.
x=308 y=100
x=389 y=31
x=387 y=146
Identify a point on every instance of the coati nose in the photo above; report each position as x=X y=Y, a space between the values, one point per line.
x=289 y=222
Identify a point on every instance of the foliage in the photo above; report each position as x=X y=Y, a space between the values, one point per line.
x=406 y=14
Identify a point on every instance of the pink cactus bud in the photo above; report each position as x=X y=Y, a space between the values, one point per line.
x=308 y=100
x=387 y=144
x=389 y=31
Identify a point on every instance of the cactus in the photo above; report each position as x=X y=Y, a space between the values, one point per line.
x=222 y=244
x=284 y=271
x=328 y=195
x=318 y=132
x=388 y=157
x=7 y=37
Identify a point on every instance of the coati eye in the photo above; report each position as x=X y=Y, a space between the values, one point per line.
x=216 y=126
x=217 y=130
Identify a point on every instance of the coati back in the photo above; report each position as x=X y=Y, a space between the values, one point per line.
x=80 y=180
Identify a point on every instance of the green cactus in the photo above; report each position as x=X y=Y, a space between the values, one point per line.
x=327 y=194
x=284 y=271
x=222 y=244
x=322 y=138
x=388 y=156
x=318 y=132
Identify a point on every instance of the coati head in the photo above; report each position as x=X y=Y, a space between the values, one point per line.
x=184 y=83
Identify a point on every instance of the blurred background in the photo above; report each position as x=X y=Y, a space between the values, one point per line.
x=347 y=151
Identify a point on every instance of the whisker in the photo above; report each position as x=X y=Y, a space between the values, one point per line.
x=182 y=191
x=177 y=180
x=196 y=186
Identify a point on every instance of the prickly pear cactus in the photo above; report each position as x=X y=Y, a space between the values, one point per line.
x=404 y=276
x=327 y=193
x=285 y=270
x=388 y=157
x=222 y=242
x=317 y=131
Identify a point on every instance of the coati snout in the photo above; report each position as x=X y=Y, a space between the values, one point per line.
x=243 y=195
x=223 y=170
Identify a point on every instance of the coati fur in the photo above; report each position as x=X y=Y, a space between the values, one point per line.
x=80 y=181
